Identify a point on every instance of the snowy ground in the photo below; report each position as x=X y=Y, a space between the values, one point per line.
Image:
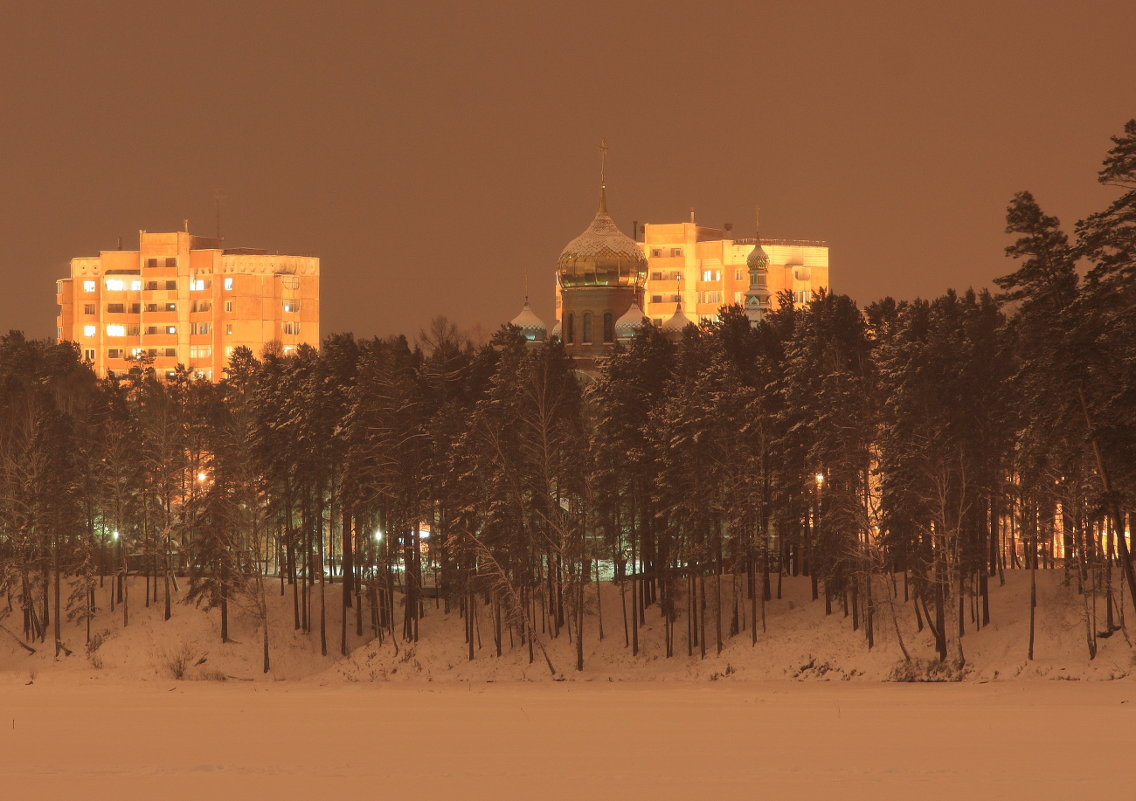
x=803 y=714
x=786 y=740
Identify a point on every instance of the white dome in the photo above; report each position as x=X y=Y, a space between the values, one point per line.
x=626 y=325
x=555 y=332
x=531 y=326
x=677 y=322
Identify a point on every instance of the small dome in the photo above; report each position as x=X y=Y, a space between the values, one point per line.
x=757 y=259
x=627 y=324
x=531 y=326
x=677 y=322
x=602 y=255
x=555 y=332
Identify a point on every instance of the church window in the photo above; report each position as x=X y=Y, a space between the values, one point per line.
x=587 y=328
x=570 y=330
x=609 y=327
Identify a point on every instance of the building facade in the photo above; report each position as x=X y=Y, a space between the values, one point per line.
x=704 y=269
x=185 y=299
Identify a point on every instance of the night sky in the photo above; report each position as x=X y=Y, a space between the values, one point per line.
x=431 y=153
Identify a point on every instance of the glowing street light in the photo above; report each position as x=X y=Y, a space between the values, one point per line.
x=115 y=535
x=820 y=480
x=201 y=477
x=378 y=536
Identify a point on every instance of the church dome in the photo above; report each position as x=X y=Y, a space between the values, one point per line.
x=555 y=332
x=626 y=325
x=676 y=323
x=531 y=326
x=757 y=259
x=602 y=255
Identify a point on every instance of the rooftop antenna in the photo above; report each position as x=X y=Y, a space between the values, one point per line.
x=526 y=286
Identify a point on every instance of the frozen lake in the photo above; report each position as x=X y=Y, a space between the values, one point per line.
x=174 y=740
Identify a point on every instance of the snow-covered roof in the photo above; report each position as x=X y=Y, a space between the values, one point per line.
x=630 y=320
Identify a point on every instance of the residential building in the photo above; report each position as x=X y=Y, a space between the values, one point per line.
x=704 y=269
x=185 y=299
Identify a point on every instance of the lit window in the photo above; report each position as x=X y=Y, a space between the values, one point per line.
x=200 y=328
x=88 y=286
x=228 y=283
x=291 y=328
x=228 y=329
x=89 y=330
x=197 y=284
x=200 y=351
x=171 y=329
x=115 y=284
x=229 y=352
x=291 y=305
x=289 y=349
x=136 y=285
x=116 y=330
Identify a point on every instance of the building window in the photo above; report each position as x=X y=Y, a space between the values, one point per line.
x=609 y=327
x=739 y=275
x=292 y=328
x=656 y=276
x=116 y=330
x=229 y=353
x=710 y=297
x=291 y=305
x=88 y=308
x=88 y=354
x=228 y=283
x=136 y=285
x=171 y=261
x=88 y=286
x=135 y=308
x=676 y=251
x=587 y=328
x=200 y=351
x=570 y=329
x=228 y=329
x=89 y=330
x=116 y=308
x=199 y=285
x=151 y=285
x=762 y=280
x=656 y=298
x=114 y=353
x=151 y=262
x=656 y=253
x=228 y=305
x=171 y=285
x=171 y=329
x=676 y=276
x=200 y=328
x=802 y=296
x=116 y=285
x=202 y=305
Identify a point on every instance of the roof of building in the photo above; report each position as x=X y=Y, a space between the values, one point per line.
x=531 y=326
x=602 y=255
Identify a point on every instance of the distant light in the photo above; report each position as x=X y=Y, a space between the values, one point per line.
x=425 y=535
x=116 y=534
x=819 y=478
x=201 y=477
x=378 y=536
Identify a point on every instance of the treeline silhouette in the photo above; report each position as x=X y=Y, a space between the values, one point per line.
x=910 y=448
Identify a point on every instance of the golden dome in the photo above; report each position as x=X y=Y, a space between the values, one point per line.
x=602 y=255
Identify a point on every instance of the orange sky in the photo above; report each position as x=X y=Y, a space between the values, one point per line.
x=430 y=153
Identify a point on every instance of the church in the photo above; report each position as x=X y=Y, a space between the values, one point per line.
x=608 y=284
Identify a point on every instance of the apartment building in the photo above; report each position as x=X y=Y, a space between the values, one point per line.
x=185 y=299
x=706 y=269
